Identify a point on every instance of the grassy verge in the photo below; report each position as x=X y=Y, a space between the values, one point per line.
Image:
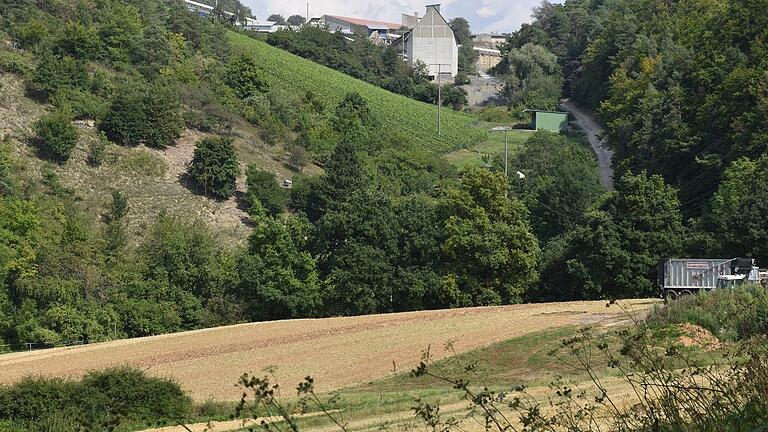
x=483 y=153
x=534 y=361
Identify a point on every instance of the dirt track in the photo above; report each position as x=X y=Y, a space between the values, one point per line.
x=587 y=121
x=336 y=351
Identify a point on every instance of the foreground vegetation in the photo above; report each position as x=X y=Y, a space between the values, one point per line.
x=644 y=377
x=111 y=400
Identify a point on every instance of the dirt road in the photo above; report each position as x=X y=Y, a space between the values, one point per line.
x=591 y=127
x=337 y=352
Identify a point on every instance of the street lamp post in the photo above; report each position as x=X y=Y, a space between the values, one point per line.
x=506 y=130
x=439 y=92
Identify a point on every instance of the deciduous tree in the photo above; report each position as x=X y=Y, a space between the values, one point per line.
x=214 y=166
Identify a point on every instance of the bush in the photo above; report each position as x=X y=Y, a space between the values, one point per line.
x=461 y=79
x=496 y=114
x=113 y=396
x=263 y=187
x=214 y=166
x=14 y=63
x=163 y=119
x=729 y=314
x=244 y=77
x=96 y=151
x=298 y=157
x=84 y=105
x=125 y=120
x=53 y=73
x=142 y=397
x=119 y=208
x=455 y=97
x=57 y=135
x=138 y=114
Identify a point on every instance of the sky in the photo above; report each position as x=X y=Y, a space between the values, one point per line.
x=502 y=16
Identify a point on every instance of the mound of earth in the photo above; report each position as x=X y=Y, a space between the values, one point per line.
x=696 y=336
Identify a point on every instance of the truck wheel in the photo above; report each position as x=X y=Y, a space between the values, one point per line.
x=670 y=296
x=686 y=293
x=764 y=283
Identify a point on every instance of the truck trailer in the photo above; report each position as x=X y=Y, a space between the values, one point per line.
x=684 y=276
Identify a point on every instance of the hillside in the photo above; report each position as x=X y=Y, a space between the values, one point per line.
x=403 y=119
x=337 y=352
x=153 y=180
x=131 y=166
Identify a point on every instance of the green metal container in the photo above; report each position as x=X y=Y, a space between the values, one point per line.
x=552 y=121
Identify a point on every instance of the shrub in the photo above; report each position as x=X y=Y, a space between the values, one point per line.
x=495 y=114
x=53 y=73
x=263 y=187
x=57 y=135
x=214 y=166
x=35 y=398
x=298 y=157
x=141 y=397
x=729 y=314
x=14 y=63
x=163 y=119
x=461 y=78
x=455 y=97
x=125 y=120
x=96 y=151
x=198 y=120
x=244 y=77
x=113 y=396
x=84 y=105
x=119 y=208
x=137 y=115
x=78 y=40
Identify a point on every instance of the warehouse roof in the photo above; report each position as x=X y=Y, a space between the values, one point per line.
x=371 y=24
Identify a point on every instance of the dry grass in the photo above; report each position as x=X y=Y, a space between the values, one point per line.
x=338 y=352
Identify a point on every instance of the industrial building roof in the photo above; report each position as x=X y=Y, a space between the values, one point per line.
x=371 y=24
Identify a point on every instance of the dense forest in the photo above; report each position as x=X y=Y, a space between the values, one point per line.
x=681 y=89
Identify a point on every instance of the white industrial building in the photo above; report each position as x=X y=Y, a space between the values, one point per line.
x=252 y=24
x=432 y=42
x=378 y=31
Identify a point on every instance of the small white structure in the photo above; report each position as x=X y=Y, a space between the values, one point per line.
x=252 y=24
x=489 y=40
x=432 y=42
x=261 y=26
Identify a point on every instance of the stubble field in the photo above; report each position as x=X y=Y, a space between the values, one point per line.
x=337 y=352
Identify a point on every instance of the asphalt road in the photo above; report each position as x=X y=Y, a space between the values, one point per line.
x=591 y=127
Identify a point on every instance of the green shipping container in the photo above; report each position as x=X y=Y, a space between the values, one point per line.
x=549 y=120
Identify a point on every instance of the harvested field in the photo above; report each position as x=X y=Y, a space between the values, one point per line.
x=338 y=352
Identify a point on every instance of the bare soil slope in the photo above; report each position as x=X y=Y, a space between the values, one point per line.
x=336 y=351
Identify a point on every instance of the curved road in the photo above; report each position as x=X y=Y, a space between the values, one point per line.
x=589 y=124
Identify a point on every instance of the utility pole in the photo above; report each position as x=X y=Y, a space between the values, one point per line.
x=439 y=93
x=506 y=130
x=308 y=17
x=439 y=96
x=506 y=153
